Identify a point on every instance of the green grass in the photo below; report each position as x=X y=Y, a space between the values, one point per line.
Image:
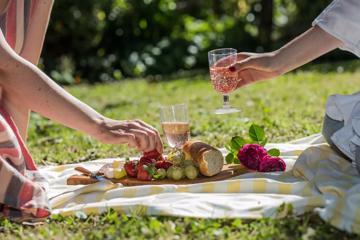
x=289 y=107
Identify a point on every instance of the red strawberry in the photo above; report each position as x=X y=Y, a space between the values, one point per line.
x=163 y=164
x=146 y=161
x=145 y=172
x=131 y=168
x=154 y=154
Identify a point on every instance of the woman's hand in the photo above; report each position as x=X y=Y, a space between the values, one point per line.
x=135 y=133
x=42 y=95
x=253 y=67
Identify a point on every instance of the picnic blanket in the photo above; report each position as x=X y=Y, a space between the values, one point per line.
x=316 y=179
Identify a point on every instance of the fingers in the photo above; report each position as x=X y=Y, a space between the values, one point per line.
x=246 y=78
x=244 y=64
x=134 y=138
x=145 y=142
x=251 y=75
x=244 y=55
x=119 y=137
x=147 y=137
x=157 y=138
x=229 y=60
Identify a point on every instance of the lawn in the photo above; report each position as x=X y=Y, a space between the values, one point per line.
x=292 y=106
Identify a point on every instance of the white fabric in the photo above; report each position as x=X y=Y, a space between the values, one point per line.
x=339 y=107
x=317 y=180
x=345 y=108
x=347 y=139
x=342 y=20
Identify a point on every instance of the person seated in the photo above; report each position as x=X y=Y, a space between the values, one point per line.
x=25 y=88
x=338 y=26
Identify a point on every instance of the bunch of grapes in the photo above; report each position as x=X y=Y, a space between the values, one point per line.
x=181 y=167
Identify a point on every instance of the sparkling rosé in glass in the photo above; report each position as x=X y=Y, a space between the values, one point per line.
x=223 y=80
x=177 y=133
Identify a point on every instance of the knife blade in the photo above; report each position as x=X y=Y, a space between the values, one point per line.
x=89 y=173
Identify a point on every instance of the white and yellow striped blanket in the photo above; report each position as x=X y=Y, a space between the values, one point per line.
x=316 y=179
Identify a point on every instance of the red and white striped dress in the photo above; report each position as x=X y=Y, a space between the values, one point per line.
x=21 y=195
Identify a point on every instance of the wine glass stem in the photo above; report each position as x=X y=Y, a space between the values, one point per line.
x=226 y=102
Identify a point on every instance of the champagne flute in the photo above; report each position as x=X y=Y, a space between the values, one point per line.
x=175 y=124
x=223 y=80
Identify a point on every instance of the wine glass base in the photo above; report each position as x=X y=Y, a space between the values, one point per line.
x=226 y=110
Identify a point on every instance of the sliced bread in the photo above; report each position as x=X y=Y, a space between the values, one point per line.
x=209 y=159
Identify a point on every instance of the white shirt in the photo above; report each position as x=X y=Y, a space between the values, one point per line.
x=342 y=20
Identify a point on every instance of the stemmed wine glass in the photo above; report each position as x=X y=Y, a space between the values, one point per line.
x=223 y=80
x=175 y=124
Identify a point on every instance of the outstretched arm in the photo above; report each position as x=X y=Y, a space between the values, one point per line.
x=252 y=67
x=337 y=26
x=23 y=82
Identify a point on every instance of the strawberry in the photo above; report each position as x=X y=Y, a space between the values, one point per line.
x=163 y=164
x=131 y=168
x=154 y=154
x=145 y=172
x=146 y=161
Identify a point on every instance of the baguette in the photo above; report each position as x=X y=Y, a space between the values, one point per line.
x=209 y=159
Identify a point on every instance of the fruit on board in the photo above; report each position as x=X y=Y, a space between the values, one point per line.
x=188 y=163
x=169 y=172
x=191 y=172
x=143 y=173
x=116 y=164
x=177 y=157
x=119 y=173
x=177 y=173
x=163 y=164
x=160 y=173
x=131 y=168
x=154 y=154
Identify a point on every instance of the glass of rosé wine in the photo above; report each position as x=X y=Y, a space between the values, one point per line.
x=175 y=124
x=223 y=80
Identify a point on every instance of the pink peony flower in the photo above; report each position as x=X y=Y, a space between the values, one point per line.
x=271 y=164
x=250 y=155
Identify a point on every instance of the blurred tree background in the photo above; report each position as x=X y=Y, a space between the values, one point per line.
x=107 y=40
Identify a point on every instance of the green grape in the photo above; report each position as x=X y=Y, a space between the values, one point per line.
x=178 y=173
x=169 y=172
x=161 y=173
x=177 y=157
x=191 y=172
x=188 y=163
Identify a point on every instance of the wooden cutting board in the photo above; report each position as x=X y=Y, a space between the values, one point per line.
x=227 y=172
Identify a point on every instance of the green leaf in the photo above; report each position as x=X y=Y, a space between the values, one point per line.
x=229 y=158
x=237 y=143
x=228 y=147
x=149 y=169
x=263 y=142
x=274 y=152
x=256 y=133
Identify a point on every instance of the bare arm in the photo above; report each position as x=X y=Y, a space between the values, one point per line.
x=40 y=94
x=305 y=48
x=32 y=47
x=313 y=43
x=23 y=82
